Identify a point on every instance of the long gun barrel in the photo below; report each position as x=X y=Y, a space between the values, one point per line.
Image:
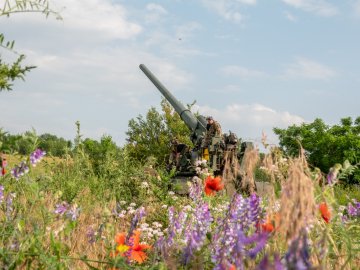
x=195 y=125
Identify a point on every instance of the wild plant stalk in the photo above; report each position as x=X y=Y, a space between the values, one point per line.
x=247 y=168
x=297 y=201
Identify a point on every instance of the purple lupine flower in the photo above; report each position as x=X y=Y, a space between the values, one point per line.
x=61 y=208
x=70 y=211
x=356 y=203
x=117 y=211
x=179 y=222
x=140 y=213
x=195 y=191
x=224 y=239
x=247 y=247
x=73 y=213
x=36 y=156
x=230 y=242
x=176 y=226
x=189 y=227
x=333 y=174
x=265 y=264
x=91 y=235
x=9 y=204
x=344 y=219
x=130 y=243
x=171 y=228
x=331 y=177
x=260 y=240
x=20 y=170
x=195 y=233
x=254 y=208
x=1 y=193
x=352 y=211
x=298 y=255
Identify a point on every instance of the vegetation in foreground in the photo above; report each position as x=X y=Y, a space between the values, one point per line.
x=79 y=213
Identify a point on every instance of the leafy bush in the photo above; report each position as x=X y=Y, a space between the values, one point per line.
x=152 y=136
x=324 y=145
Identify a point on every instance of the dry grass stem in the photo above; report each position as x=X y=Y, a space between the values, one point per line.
x=247 y=168
x=297 y=200
x=230 y=172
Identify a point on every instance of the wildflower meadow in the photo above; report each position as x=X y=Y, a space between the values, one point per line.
x=87 y=204
x=61 y=214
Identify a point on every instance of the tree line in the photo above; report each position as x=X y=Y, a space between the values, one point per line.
x=151 y=136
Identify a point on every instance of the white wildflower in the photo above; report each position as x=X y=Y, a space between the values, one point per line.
x=144 y=184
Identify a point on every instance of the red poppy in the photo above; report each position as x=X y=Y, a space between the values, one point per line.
x=325 y=212
x=137 y=251
x=232 y=267
x=212 y=185
x=267 y=226
x=121 y=246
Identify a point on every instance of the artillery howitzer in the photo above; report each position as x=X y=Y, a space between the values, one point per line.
x=224 y=153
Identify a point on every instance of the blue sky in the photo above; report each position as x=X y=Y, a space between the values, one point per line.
x=251 y=64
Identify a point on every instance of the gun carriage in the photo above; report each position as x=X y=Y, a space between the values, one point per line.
x=224 y=152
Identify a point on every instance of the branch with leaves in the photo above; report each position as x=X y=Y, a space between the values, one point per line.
x=21 y=6
x=10 y=72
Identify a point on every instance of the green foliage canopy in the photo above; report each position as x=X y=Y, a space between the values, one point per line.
x=324 y=145
x=53 y=145
x=101 y=153
x=25 y=143
x=152 y=135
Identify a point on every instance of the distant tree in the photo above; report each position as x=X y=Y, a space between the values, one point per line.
x=101 y=153
x=3 y=135
x=8 y=142
x=9 y=72
x=54 y=145
x=151 y=136
x=27 y=142
x=324 y=145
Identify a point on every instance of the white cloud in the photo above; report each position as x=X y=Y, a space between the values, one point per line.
x=306 y=68
x=248 y=2
x=115 y=67
x=242 y=72
x=156 y=8
x=101 y=19
x=101 y=16
x=356 y=6
x=228 y=9
x=187 y=30
x=319 y=7
x=250 y=120
x=155 y=13
x=178 y=43
x=290 y=17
